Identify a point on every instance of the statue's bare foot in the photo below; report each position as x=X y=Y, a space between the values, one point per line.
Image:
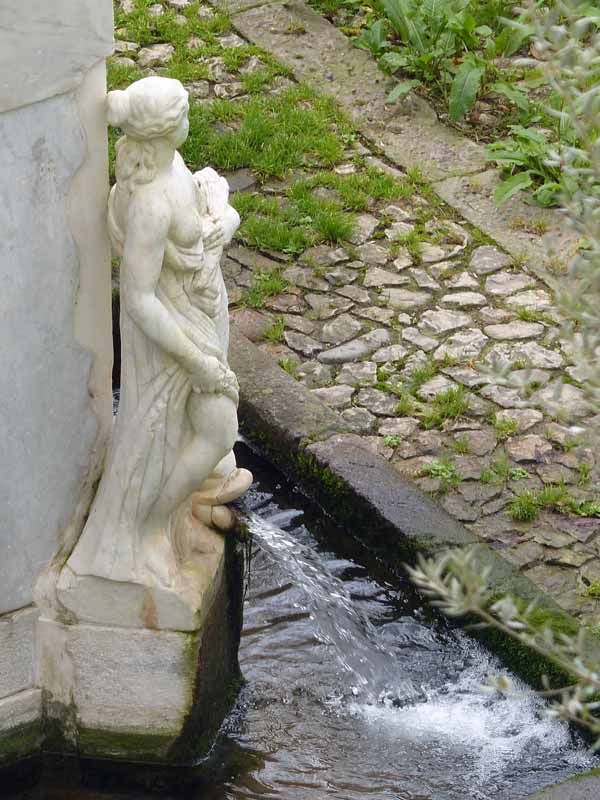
x=219 y=517
x=219 y=492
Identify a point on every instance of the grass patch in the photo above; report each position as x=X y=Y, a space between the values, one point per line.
x=289 y=227
x=358 y=191
x=444 y=470
x=420 y=375
x=289 y=365
x=273 y=135
x=140 y=26
x=275 y=332
x=556 y=497
x=505 y=427
x=500 y=470
x=406 y=406
x=529 y=315
x=460 y=445
x=446 y=405
x=265 y=284
x=524 y=507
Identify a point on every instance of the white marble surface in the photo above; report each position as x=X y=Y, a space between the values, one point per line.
x=53 y=418
x=17 y=651
x=46 y=48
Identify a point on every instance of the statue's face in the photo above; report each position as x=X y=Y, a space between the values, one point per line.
x=181 y=132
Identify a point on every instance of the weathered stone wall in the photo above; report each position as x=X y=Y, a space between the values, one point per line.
x=55 y=328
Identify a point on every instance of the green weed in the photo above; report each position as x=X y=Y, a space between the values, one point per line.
x=392 y=441
x=446 y=405
x=275 y=332
x=289 y=365
x=444 y=470
x=265 y=284
x=505 y=427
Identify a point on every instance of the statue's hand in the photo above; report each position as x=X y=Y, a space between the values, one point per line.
x=214 y=234
x=212 y=377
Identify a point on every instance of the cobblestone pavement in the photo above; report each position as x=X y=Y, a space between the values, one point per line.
x=398 y=328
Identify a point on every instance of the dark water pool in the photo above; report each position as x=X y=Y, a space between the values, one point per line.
x=354 y=689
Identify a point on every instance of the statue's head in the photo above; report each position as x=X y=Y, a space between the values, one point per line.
x=151 y=108
x=150 y=111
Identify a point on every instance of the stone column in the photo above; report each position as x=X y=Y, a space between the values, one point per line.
x=55 y=327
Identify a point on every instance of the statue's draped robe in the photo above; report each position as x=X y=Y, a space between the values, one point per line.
x=152 y=426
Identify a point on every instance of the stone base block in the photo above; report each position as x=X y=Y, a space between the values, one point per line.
x=20 y=725
x=20 y=704
x=145 y=693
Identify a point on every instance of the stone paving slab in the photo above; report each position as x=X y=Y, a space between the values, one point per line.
x=516 y=226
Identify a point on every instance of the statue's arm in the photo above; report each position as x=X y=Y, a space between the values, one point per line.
x=147 y=228
x=223 y=219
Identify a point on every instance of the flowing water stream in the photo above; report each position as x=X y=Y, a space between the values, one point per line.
x=355 y=691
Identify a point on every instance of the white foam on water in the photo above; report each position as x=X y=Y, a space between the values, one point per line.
x=494 y=730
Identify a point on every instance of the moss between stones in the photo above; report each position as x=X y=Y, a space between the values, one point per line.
x=124 y=745
x=20 y=741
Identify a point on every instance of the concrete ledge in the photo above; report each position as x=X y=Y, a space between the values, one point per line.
x=582 y=787
x=361 y=490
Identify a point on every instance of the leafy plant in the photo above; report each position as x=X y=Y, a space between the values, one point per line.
x=524 y=158
x=444 y=470
x=373 y=38
x=392 y=440
x=447 y=44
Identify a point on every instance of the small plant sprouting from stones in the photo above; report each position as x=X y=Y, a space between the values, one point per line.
x=505 y=427
x=444 y=470
x=265 y=284
x=289 y=365
x=524 y=508
x=556 y=497
x=275 y=332
x=500 y=470
x=392 y=440
x=458 y=584
x=460 y=445
x=450 y=404
x=405 y=406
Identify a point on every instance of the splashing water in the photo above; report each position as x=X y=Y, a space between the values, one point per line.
x=356 y=698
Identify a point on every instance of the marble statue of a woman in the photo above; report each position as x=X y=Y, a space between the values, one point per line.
x=177 y=419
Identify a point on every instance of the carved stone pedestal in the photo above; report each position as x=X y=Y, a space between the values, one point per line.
x=140 y=673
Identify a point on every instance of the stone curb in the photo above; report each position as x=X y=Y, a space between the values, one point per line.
x=581 y=787
x=309 y=442
x=408 y=134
